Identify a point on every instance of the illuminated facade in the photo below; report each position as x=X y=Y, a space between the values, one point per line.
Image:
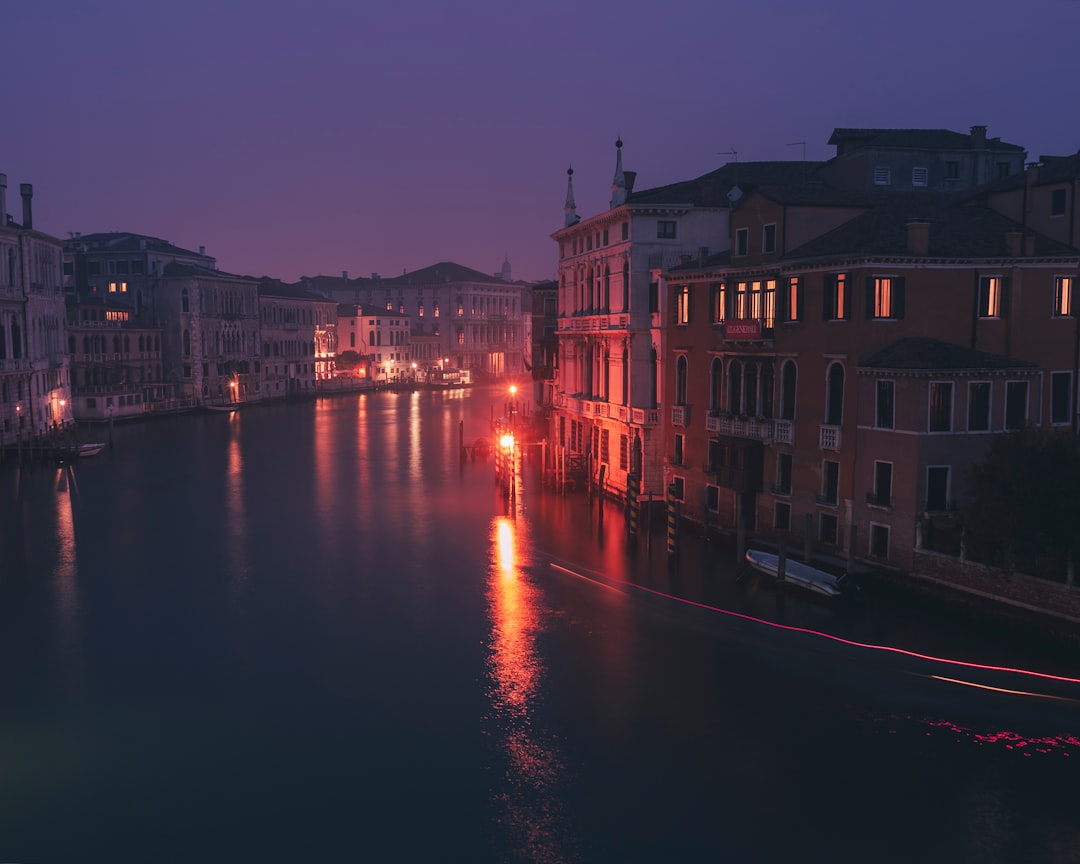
x=298 y=335
x=834 y=375
x=35 y=393
x=610 y=352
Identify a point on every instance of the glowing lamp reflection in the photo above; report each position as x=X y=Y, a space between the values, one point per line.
x=507 y=442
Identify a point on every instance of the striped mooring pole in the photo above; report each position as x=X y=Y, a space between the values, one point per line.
x=672 y=522
x=633 y=505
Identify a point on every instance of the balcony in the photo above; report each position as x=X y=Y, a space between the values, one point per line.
x=754 y=428
x=18 y=365
x=680 y=415
x=783 y=431
x=594 y=322
x=829 y=437
x=881 y=501
x=712 y=421
x=645 y=416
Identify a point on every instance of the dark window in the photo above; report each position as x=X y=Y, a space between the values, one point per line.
x=885 y=404
x=788 y=378
x=1003 y=170
x=783 y=516
x=93 y=268
x=879 y=541
x=768 y=238
x=952 y=169
x=979 y=406
x=883 y=484
x=1060 y=397
x=665 y=230
x=625 y=230
x=677 y=457
x=742 y=241
x=937 y=488
x=1057 y=202
x=941 y=406
x=712 y=498
x=783 y=474
x=1016 y=397
x=654 y=297
x=834 y=395
x=827 y=529
x=830 y=482
x=677 y=489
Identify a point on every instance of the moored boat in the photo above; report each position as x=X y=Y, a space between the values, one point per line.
x=797 y=573
x=91 y=448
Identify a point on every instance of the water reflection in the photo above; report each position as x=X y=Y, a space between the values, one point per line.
x=236 y=518
x=531 y=805
x=65 y=573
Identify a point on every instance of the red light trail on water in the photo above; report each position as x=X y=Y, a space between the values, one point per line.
x=602 y=580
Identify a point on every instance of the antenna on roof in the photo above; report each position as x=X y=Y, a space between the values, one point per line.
x=734 y=193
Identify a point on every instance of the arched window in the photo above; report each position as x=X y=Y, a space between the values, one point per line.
x=750 y=391
x=716 y=384
x=71 y=344
x=626 y=286
x=767 y=374
x=834 y=395
x=626 y=376
x=654 y=377
x=735 y=387
x=127 y=344
x=86 y=344
x=116 y=344
x=352 y=340
x=788 y=375
x=187 y=344
x=184 y=305
x=680 y=380
x=607 y=288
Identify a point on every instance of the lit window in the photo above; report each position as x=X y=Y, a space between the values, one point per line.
x=112 y=287
x=793 y=299
x=768 y=312
x=435 y=309
x=420 y=311
x=755 y=301
x=991 y=297
x=1063 y=295
x=741 y=300
x=885 y=297
x=719 y=304
x=836 y=297
x=682 y=305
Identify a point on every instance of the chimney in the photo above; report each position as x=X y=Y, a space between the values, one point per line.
x=978 y=137
x=27 y=192
x=1029 y=244
x=3 y=199
x=1013 y=243
x=630 y=177
x=918 y=237
x=702 y=254
x=202 y=250
x=344 y=275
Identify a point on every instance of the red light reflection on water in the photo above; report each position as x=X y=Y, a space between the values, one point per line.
x=532 y=809
x=1060 y=745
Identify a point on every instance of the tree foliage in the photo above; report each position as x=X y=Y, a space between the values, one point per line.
x=348 y=360
x=1024 y=507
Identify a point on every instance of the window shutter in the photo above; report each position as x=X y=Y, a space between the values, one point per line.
x=869 y=296
x=827 y=299
x=1004 y=298
x=783 y=291
x=847 y=300
x=898 y=298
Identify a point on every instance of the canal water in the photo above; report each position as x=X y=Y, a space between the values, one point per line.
x=306 y=632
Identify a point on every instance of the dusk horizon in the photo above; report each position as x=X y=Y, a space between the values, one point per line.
x=300 y=141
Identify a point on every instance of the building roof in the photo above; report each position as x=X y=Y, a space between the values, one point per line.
x=922 y=354
x=955 y=232
x=126 y=241
x=847 y=139
x=176 y=270
x=443 y=272
x=1057 y=169
x=711 y=190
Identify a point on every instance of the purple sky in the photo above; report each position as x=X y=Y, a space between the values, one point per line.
x=297 y=138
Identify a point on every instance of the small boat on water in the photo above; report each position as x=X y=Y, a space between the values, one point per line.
x=797 y=573
x=228 y=408
x=91 y=448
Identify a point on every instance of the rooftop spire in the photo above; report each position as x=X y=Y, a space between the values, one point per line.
x=570 y=207
x=618 y=182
